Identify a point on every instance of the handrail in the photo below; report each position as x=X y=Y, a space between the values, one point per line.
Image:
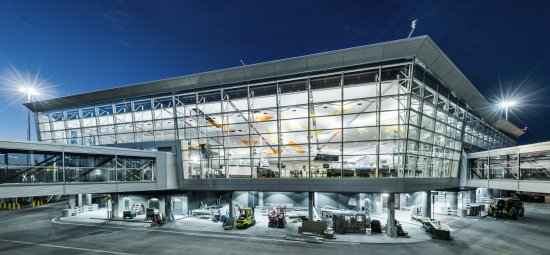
x=135 y=172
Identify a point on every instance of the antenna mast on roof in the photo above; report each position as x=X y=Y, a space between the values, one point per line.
x=413 y=26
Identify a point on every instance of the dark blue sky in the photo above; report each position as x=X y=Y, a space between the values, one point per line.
x=82 y=46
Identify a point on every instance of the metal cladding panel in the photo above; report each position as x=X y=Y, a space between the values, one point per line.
x=267 y=181
x=193 y=80
x=299 y=181
x=423 y=184
x=390 y=185
x=231 y=75
x=326 y=61
x=90 y=150
x=365 y=182
x=323 y=188
x=545 y=146
x=391 y=181
x=534 y=186
x=161 y=169
x=193 y=182
x=161 y=85
x=30 y=190
x=178 y=83
x=391 y=189
x=363 y=55
x=427 y=53
x=407 y=48
x=94 y=188
x=171 y=172
x=245 y=187
x=537 y=147
x=504 y=184
x=361 y=188
x=266 y=187
x=211 y=183
x=238 y=181
x=291 y=66
x=477 y=183
x=259 y=71
x=201 y=187
x=504 y=124
x=328 y=182
x=453 y=78
x=461 y=89
x=265 y=184
x=207 y=79
x=137 y=186
x=441 y=66
x=204 y=184
x=19 y=145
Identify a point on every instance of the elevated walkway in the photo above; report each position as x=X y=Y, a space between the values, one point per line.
x=523 y=168
x=46 y=169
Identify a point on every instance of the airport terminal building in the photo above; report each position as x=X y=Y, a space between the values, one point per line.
x=396 y=109
x=394 y=117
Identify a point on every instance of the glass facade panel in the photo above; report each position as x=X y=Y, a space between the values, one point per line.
x=56 y=167
x=535 y=165
x=384 y=121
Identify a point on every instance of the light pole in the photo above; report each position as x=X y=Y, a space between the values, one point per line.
x=506 y=105
x=29 y=91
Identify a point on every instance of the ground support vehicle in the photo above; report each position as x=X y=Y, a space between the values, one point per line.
x=277 y=217
x=510 y=208
x=246 y=218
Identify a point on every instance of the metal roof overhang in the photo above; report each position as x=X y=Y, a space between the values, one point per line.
x=422 y=48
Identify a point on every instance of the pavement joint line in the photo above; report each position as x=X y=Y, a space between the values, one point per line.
x=65 y=247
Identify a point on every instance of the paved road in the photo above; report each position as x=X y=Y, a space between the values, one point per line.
x=33 y=232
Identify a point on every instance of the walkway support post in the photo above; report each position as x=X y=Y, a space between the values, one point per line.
x=427 y=204
x=391 y=230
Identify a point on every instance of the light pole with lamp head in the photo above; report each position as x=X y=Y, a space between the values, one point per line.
x=506 y=105
x=29 y=91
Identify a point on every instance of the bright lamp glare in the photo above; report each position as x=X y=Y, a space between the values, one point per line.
x=29 y=90
x=506 y=104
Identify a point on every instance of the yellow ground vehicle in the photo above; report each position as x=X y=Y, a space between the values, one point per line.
x=508 y=207
x=246 y=218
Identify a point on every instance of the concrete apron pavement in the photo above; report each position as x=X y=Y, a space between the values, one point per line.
x=260 y=230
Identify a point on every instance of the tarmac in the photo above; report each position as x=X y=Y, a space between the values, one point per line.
x=41 y=231
x=261 y=229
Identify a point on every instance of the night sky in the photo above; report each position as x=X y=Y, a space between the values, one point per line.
x=83 y=46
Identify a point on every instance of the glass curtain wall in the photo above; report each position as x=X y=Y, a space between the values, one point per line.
x=51 y=167
x=386 y=121
x=535 y=165
x=523 y=166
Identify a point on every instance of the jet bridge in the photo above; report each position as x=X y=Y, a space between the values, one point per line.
x=46 y=169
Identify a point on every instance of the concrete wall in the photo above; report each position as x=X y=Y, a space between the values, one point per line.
x=194 y=198
x=297 y=199
x=180 y=204
x=247 y=198
x=349 y=201
x=410 y=199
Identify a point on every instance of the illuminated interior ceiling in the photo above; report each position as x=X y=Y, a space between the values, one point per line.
x=325 y=126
